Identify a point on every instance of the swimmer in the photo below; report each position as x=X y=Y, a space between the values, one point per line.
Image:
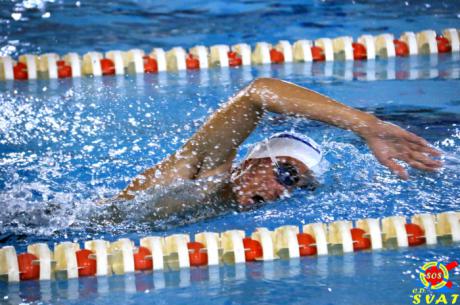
x=283 y=162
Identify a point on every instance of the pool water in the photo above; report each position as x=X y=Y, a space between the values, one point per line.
x=65 y=144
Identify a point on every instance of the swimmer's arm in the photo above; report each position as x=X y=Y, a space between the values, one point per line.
x=179 y=165
x=184 y=164
x=212 y=148
x=286 y=98
x=388 y=142
x=215 y=143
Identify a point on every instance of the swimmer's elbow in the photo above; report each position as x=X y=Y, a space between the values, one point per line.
x=256 y=88
x=262 y=82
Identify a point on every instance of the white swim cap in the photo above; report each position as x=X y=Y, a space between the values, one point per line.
x=289 y=144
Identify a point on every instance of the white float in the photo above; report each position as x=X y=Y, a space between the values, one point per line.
x=339 y=234
x=31 y=61
x=218 y=55
x=122 y=259
x=285 y=47
x=369 y=42
x=160 y=56
x=45 y=259
x=343 y=48
x=9 y=263
x=327 y=46
x=118 y=61
x=244 y=51
x=428 y=223
x=385 y=46
x=156 y=246
x=411 y=40
x=47 y=65
x=318 y=231
x=91 y=64
x=285 y=238
x=73 y=59
x=211 y=242
x=66 y=258
x=393 y=227
x=134 y=61
x=201 y=53
x=261 y=54
x=6 y=68
x=426 y=41
x=176 y=59
x=448 y=224
x=232 y=246
x=302 y=51
x=372 y=227
x=100 y=249
x=265 y=238
x=177 y=251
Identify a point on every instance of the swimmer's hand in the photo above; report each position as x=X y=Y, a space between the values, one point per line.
x=389 y=143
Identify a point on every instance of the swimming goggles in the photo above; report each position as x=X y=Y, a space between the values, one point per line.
x=286 y=174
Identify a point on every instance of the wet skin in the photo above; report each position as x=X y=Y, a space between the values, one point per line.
x=211 y=150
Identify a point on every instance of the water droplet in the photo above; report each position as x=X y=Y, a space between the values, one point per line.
x=16 y=16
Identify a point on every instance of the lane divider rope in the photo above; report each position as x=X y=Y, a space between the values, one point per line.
x=156 y=253
x=136 y=61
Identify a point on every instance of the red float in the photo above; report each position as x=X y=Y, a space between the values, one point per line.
x=318 y=54
x=306 y=244
x=233 y=59
x=360 y=242
x=415 y=234
x=276 y=56
x=252 y=249
x=444 y=45
x=359 y=51
x=401 y=48
x=197 y=256
x=143 y=259
x=150 y=64
x=20 y=71
x=107 y=67
x=192 y=62
x=86 y=265
x=64 y=70
x=27 y=269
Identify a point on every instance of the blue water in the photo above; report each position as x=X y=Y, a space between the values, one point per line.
x=62 y=26
x=67 y=143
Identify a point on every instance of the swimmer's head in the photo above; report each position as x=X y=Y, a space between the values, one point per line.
x=275 y=166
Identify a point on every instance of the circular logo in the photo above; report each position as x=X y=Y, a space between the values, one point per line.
x=434 y=275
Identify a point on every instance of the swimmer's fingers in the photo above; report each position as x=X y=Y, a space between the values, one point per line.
x=426 y=161
x=419 y=144
x=420 y=165
x=394 y=167
x=425 y=149
x=419 y=161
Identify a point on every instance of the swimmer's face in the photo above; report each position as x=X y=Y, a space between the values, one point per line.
x=256 y=180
